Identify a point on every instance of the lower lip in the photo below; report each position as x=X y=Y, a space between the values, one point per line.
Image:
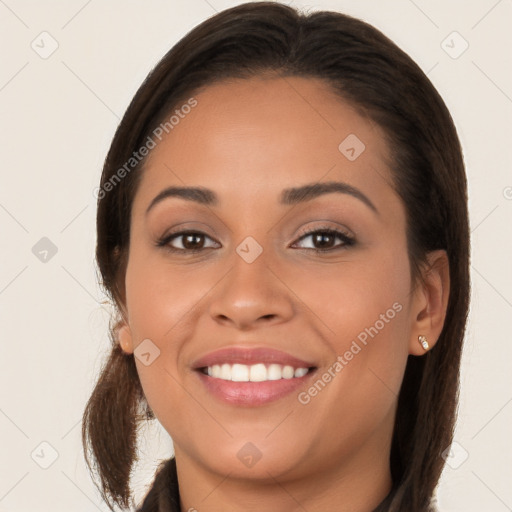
x=252 y=394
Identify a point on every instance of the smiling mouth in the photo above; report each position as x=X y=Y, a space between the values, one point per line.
x=259 y=372
x=245 y=376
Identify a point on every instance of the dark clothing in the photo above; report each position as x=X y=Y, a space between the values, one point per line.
x=164 y=495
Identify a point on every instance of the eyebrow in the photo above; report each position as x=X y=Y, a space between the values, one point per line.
x=289 y=196
x=199 y=195
x=311 y=191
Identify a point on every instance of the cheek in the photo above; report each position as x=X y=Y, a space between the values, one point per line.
x=360 y=298
x=159 y=305
x=164 y=306
x=363 y=308
x=161 y=299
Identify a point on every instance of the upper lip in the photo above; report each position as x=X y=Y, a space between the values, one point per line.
x=250 y=356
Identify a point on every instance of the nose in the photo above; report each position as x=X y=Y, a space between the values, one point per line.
x=251 y=295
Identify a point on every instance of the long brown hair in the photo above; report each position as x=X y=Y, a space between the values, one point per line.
x=368 y=70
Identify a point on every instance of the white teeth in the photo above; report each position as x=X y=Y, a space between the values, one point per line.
x=257 y=373
x=225 y=372
x=254 y=373
x=239 y=373
x=275 y=372
x=300 y=372
x=288 y=372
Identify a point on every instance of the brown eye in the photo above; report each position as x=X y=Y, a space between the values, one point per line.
x=324 y=240
x=193 y=241
x=187 y=241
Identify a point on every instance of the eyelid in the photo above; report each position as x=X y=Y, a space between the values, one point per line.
x=327 y=227
x=166 y=239
x=190 y=227
x=343 y=234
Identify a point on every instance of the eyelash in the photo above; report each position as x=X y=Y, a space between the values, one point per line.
x=344 y=237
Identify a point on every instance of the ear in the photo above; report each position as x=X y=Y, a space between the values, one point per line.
x=124 y=337
x=430 y=301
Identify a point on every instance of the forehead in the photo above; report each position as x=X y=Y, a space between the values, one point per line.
x=263 y=134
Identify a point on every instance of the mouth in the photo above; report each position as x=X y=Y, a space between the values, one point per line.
x=252 y=377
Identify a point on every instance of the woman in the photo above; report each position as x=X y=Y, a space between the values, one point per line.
x=282 y=224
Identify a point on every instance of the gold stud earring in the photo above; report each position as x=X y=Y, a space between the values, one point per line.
x=423 y=342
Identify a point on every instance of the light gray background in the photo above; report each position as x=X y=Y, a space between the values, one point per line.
x=58 y=116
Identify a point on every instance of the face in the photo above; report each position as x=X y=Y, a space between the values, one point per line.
x=271 y=322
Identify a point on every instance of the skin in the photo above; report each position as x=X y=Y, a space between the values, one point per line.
x=247 y=140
